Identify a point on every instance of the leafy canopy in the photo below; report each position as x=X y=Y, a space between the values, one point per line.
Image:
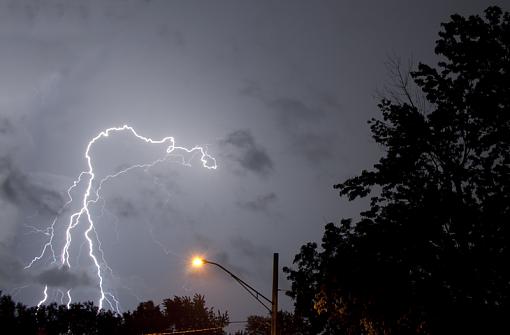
x=431 y=252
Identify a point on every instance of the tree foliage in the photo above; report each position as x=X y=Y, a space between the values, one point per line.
x=186 y=313
x=178 y=314
x=287 y=324
x=430 y=255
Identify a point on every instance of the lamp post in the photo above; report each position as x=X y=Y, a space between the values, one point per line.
x=263 y=300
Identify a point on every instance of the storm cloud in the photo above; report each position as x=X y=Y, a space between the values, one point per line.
x=302 y=124
x=23 y=190
x=249 y=154
x=63 y=277
x=11 y=269
x=310 y=131
x=248 y=247
x=260 y=203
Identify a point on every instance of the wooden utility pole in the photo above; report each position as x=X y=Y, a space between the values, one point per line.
x=274 y=298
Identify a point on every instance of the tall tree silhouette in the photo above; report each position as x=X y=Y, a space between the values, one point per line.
x=431 y=253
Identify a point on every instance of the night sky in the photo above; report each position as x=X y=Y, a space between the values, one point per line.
x=278 y=92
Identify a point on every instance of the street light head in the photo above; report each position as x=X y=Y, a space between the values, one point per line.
x=197 y=261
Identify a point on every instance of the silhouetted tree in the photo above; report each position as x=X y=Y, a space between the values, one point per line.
x=109 y=322
x=52 y=320
x=258 y=325
x=7 y=312
x=287 y=324
x=431 y=253
x=146 y=318
x=183 y=313
x=26 y=322
x=79 y=318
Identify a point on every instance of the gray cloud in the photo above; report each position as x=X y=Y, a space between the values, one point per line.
x=21 y=190
x=260 y=203
x=63 y=277
x=6 y=126
x=302 y=124
x=309 y=131
x=175 y=37
x=249 y=154
x=202 y=241
x=18 y=189
x=8 y=210
x=294 y=113
x=223 y=258
x=124 y=207
x=247 y=248
x=11 y=269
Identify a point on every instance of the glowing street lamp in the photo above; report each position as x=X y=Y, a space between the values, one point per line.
x=198 y=262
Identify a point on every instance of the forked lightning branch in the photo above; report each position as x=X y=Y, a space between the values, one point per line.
x=92 y=186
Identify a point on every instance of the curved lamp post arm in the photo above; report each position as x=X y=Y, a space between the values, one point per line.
x=253 y=292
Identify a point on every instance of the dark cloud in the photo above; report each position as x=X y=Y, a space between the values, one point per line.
x=6 y=126
x=63 y=277
x=123 y=207
x=309 y=131
x=260 y=203
x=20 y=189
x=294 y=113
x=16 y=187
x=247 y=248
x=307 y=135
x=12 y=273
x=11 y=269
x=314 y=147
x=249 y=154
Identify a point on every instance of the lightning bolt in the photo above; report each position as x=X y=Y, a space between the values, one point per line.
x=45 y=292
x=69 y=299
x=91 y=196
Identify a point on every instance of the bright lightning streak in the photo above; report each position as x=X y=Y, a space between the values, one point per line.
x=45 y=292
x=49 y=231
x=91 y=196
x=60 y=294
x=69 y=299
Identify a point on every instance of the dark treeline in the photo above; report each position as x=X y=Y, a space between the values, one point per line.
x=177 y=314
x=180 y=314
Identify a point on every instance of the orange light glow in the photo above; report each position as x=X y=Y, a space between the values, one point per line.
x=197 y=262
